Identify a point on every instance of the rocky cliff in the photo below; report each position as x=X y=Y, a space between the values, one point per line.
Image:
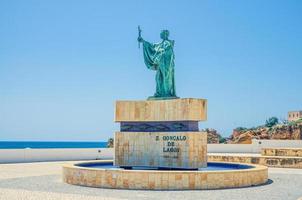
x=213 y=136
x=291 y=131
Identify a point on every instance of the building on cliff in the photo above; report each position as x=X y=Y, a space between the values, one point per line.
x=294 y=115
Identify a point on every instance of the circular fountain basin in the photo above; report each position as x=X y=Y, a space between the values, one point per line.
x=216 y=176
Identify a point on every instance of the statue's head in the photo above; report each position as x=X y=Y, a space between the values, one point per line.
x=164 y=34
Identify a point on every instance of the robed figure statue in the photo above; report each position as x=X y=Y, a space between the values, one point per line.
x=160 y=57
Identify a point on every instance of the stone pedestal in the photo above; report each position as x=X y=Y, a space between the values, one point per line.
x=162 y=134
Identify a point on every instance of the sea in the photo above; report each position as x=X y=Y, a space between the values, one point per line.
x=50 y=144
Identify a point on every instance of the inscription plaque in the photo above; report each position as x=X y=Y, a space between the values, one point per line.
x=161 y=149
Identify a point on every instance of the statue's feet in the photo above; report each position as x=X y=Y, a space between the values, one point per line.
x=162 y=98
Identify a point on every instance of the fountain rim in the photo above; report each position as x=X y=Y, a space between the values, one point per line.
x=149 y=179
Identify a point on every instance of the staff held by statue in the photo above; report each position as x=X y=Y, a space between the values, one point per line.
x=139 y=35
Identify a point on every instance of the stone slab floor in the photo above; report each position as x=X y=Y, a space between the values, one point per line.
x=42 y=181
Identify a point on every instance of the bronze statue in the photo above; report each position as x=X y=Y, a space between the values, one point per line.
x=160 y=57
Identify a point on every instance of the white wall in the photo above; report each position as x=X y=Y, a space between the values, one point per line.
x=278 y=143
x=231 y=148
x=33 y=155
x=255 y=147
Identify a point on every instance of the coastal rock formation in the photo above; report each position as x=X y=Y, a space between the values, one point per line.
x=292 y=131
x=213 y=136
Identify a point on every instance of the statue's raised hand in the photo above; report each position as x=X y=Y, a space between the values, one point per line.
x=140 y=39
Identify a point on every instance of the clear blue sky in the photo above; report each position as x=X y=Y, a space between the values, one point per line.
x=64 y=63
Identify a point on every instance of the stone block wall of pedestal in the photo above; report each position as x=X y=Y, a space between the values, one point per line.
x=159 y=139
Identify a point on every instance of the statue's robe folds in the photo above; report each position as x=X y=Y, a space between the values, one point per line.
x=160 y=57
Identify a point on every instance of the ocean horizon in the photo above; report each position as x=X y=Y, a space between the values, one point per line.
x=51 y=144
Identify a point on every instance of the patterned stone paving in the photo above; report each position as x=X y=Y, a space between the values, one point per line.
x=36 y=181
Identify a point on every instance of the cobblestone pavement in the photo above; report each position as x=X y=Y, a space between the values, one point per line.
x=42 y=181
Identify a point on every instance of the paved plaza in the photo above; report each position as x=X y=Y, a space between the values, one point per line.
x=42 y=181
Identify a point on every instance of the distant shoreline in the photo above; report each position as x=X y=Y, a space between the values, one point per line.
x=50 y=144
